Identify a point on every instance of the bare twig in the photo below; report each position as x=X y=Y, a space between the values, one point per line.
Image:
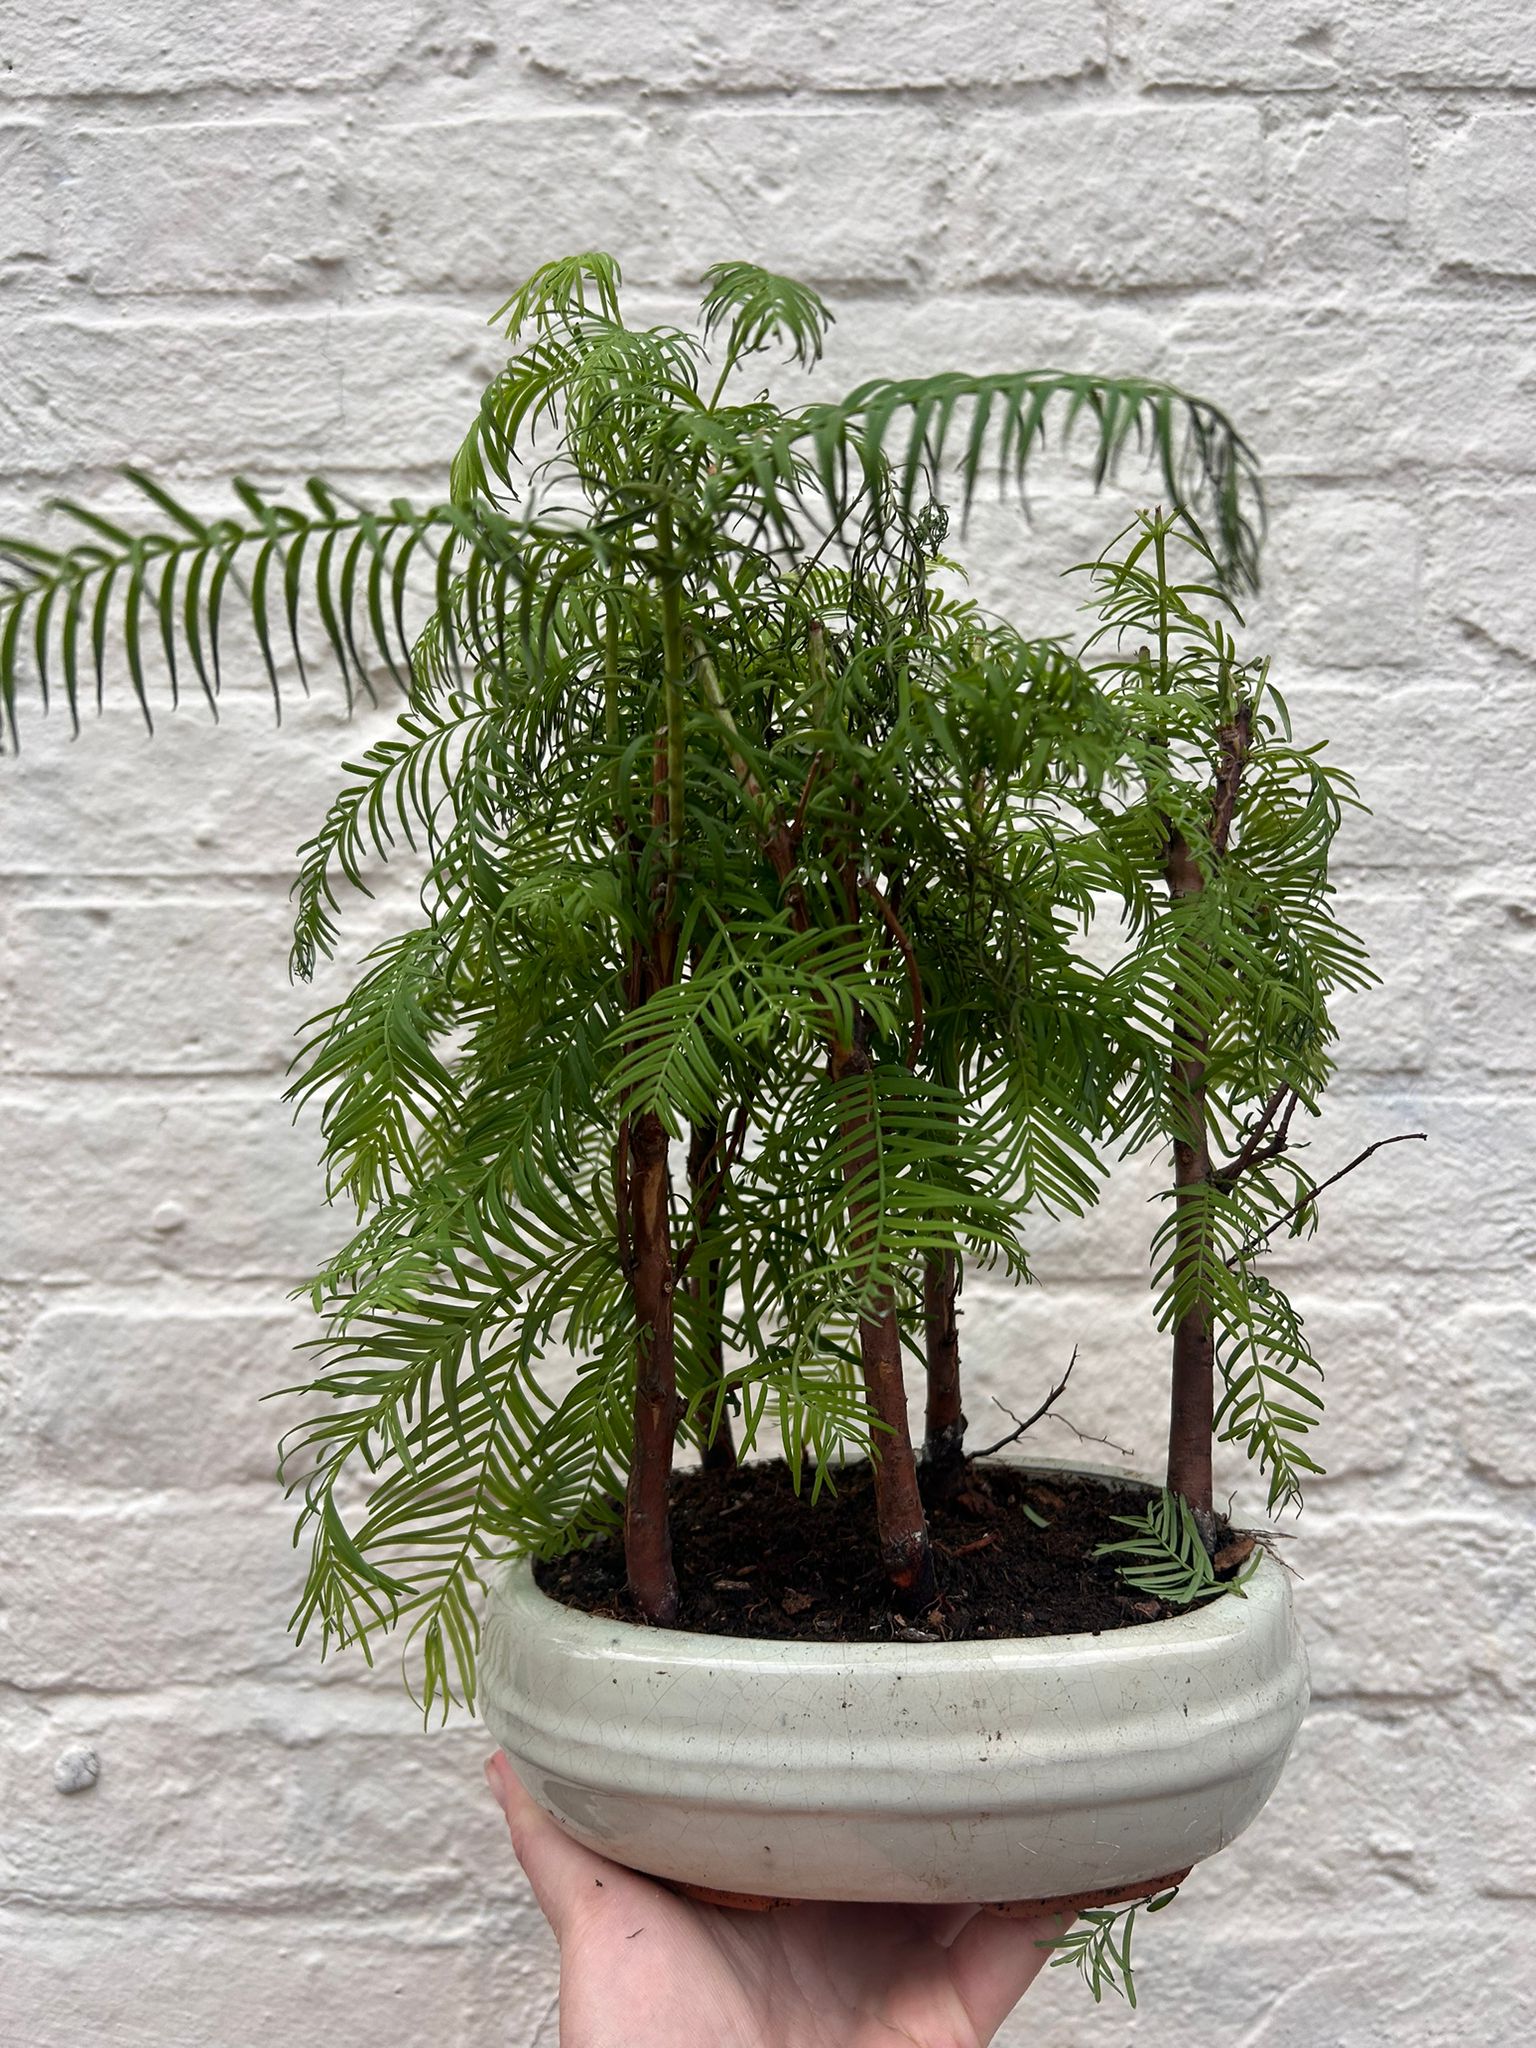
x=1043 y=1410
x=1229 y=1175
x=1086 y=1436
x=1257 y=1244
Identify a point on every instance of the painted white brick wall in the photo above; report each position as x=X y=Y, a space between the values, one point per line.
x=265 y=238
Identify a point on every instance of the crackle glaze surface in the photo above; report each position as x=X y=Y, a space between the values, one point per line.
x=894 y=1771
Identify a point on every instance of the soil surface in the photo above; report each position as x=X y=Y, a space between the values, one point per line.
x=753 y=1559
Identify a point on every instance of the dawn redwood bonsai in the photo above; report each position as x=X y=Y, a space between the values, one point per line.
x=749 y=1002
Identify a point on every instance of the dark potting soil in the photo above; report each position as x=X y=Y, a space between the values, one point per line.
x=755 y=1559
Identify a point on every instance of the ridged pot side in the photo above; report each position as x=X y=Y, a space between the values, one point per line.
x=941 y=1772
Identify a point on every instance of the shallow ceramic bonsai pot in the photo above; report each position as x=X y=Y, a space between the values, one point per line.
x=1049 y=1768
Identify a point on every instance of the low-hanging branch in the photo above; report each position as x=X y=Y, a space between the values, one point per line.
x=1306 y=1201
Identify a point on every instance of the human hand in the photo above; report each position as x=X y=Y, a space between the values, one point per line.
x=641 y=1967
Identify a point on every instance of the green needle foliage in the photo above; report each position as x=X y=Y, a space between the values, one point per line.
x=1167 y=1554
x=747 y=1003
x=1098 y=1946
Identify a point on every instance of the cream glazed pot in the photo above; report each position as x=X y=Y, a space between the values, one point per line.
x=1042 y=1768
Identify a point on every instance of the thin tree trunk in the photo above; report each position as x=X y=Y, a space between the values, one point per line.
x=944 y=1433
x=652 y=1264
x=647 y=1531
x=1192 y=1406
x=905 y=1550
x=903 y=1528
x=706 y=1174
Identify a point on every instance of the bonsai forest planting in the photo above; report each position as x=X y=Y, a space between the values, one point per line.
x=793 y=934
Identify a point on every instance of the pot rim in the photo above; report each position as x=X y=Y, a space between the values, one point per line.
x=1219 y=1619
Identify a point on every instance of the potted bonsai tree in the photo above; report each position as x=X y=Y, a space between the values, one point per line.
x=750 y=1003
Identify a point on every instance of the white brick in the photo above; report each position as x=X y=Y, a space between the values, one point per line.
x=28 y=178
x=1479 y=551
x=947 y=331
x=173 y=45
x=816 y=195
x=204 y=206
x=860 y=45
x=1018 y=558
x=1425 y=42
x=1475 y=728
x=1348 y=1979
x=1502 y=1858
x=164 y=988
x=1338 y=192
x=1288 y=45
x=547 y=185
x=199 y=799
x=1366 y=387
x=1344 y=571
x=396 y=389
x=1477 y=196
x=255 y=1817
x=1353 y=1839
x=1370 y=1425
x=164 y=1980
x=1384 y=1029
x=150 y=1397
x=1489 y=1348
x=1110 y=1242
x=1441 y=1607
x=1470 y=408
x=1488 y=1015
x=120 y=1599
x=1338 y=407
x=1404 y=1211
x=217 y=1187
x=1109 y=198
x=1016 y=1345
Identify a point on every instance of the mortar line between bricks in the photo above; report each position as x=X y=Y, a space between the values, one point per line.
x=1113 y=79
x=1316 y=295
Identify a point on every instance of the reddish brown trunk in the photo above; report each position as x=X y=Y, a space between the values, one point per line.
x=706 y=1174
x=903 y=1528
x=944 y=1434
x=1192 y=1406
x=647 y=1533
x=652 y=1268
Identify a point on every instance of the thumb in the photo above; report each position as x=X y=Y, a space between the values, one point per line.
x=562 y=1873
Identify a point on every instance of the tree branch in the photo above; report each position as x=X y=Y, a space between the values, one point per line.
x=1229 y=1175
x=714 y=1190
x=1029 y=1422
x=1257 y=1244
x=898 y=932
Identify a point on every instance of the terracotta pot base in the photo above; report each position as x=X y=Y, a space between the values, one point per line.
x=733 y=1902
x=1004 y=1909
x=1078 y=1902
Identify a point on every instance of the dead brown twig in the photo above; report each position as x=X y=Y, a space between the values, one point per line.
x=1304 y=1202
x=1030 y=1420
